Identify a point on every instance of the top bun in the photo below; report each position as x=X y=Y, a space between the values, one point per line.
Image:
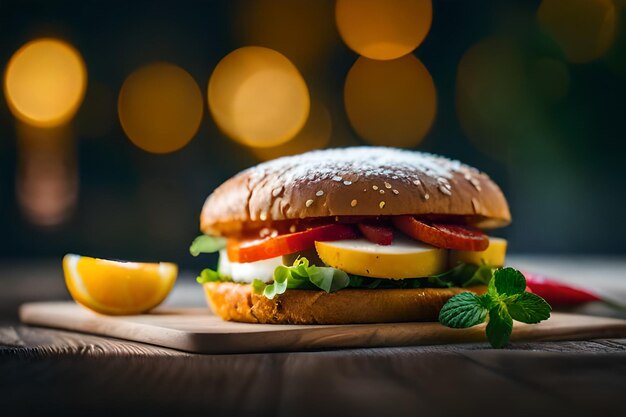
x=359 y=181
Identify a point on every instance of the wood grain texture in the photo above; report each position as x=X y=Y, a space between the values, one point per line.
x=53 y=372
x=444 y=380
x=195 y=330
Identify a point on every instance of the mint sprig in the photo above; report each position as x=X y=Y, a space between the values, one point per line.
x=506 y=300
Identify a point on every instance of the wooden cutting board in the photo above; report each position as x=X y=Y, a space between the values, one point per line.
x=197 y=330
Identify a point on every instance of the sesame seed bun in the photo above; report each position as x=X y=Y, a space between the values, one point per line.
x=237 y=302
x=358 y=181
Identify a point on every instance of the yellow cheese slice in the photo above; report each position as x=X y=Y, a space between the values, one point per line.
x=404 y=258
x=494 y=255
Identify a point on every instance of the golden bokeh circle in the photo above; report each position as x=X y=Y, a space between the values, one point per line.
x=160 y=107
x=314 y=135
x=390 y=103
x=584 y=29
x=383 y=29
x=258 y=97
x=494 y=100
x=303 y=31
x=44 y=82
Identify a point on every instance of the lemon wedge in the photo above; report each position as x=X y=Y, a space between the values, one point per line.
x=118 y=287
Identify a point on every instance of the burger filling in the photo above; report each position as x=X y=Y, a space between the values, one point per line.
x=390 y=252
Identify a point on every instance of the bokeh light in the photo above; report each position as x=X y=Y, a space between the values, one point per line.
x=314 y=135
x=494 y=102
x=584 y=29
x=390 y=103
x=44 y=82
x=615 y=57
x=506 y=97
x=258 y=97
x=303 y=30
x=383 y=29
x=160 y=107
x=551 y=77
x=47 y=174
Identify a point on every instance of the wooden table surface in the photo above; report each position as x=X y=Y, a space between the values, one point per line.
x=45 y=371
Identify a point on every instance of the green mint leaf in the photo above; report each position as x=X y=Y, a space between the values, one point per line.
x=209 y=275
x=509 y=281
x=488 y=301
x=506 y=300
x=206 y=244
x=500 y=327
x=528 y=308
x=328 y=279
x=463 y=310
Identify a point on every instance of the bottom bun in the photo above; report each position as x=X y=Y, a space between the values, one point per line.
x=236 y=302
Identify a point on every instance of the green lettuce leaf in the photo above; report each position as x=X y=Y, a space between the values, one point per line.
x=463 y=275
x=301 y=275
x=209 y=275
x=206 y=244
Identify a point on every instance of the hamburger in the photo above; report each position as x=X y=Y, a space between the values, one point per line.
x=351 y=235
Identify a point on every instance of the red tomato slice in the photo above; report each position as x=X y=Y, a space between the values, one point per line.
x=259 y=249
x=381 y=235
x=446 y=236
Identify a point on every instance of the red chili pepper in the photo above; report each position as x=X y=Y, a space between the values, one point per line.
x=557 y=293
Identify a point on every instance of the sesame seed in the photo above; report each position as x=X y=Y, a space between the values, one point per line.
x=347 y=183
x=395 y=177
x=396 y=192
x=337 y=178
x=263 y=216
x=292 y=228
x=476 y=184
x=468 y=177
x=375 y=187
x=381 y=204
x=416 y=182
x=364 y=190
x=445 y=190
x=353 y=203
x=426 y=196
x=387 y=185
x=277 y=191
x=476 y=205
x=382 y=191
x=319 y=193
x=308 y=203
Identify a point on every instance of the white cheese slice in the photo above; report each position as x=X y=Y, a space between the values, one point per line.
x=249 y=271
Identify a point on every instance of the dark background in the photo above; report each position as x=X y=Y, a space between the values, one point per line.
x=559 y=161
